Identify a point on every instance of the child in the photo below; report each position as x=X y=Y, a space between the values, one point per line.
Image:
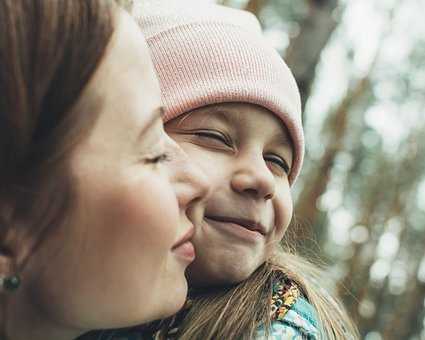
x=233 y=105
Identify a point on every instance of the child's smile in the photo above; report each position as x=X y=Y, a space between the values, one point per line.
x=246 y=154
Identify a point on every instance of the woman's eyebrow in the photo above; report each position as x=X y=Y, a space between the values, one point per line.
x=157 y=113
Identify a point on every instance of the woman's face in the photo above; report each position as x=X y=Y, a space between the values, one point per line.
x=120 y=257
x=245 y=152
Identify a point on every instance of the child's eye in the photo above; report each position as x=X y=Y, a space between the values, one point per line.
x=216 y=135
x=279 y=161
x=163 y=157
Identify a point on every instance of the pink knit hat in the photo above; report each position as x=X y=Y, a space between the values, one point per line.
x=207 y=54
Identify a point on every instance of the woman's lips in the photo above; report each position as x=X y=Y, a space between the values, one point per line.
x=186 y=251
x=184 y=247
x=240 y=228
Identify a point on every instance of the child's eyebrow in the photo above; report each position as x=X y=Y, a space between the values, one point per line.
x=220 y=114
x=227 y=116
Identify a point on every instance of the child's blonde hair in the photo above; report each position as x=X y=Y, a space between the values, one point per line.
x=236 y=312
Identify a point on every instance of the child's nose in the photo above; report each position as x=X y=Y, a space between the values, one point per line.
x=252 y=177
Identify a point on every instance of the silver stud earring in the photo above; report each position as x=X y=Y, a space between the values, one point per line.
x=10 y=283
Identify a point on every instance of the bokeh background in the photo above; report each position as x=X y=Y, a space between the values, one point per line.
x=360 y=202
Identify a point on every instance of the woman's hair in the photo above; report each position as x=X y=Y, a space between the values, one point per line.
x=49 y=50
x=236 y=312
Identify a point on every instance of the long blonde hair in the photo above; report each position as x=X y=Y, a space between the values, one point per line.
x=236 y=312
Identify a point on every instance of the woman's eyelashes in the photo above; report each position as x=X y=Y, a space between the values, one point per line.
x=157 y=159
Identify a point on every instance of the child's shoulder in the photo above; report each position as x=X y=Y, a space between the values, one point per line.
x=299 y=323
x=292 y=316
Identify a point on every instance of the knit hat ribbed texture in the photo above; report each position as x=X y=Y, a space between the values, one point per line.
x=207 y=54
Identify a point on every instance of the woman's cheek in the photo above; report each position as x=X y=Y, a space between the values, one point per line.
x=149 y=204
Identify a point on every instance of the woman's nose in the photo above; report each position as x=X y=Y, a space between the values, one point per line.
x=190 y=183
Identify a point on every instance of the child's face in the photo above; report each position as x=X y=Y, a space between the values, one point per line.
x=118 y=261
x=245 y=152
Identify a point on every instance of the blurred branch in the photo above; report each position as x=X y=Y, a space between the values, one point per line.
x=387 y=204
x=335 y=128
x=255 y=6
x=358 y=271
x=303 y=53
x=318 y=180
x=224 y=2
x=406 y=321
x=127 y=4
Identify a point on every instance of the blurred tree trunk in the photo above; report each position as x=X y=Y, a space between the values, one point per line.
x=255 y=6
x=303 y=53
x=358 y=274
x=357 y=269
x=380 y=207
x=406 y=318
x=224 y=2
x=127 y=4
x=318 y=178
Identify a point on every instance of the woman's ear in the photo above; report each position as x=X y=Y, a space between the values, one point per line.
x=9 y=251
x=8 y=277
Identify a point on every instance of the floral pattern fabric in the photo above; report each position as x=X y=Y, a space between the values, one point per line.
x=299 y=323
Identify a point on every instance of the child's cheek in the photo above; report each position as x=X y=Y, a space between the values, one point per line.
x=283 y=210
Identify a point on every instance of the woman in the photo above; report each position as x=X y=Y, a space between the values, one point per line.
x=233 y=105
x=97 y=204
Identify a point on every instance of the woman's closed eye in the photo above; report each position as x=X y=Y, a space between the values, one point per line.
x=156 y=159
x=278 y=162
